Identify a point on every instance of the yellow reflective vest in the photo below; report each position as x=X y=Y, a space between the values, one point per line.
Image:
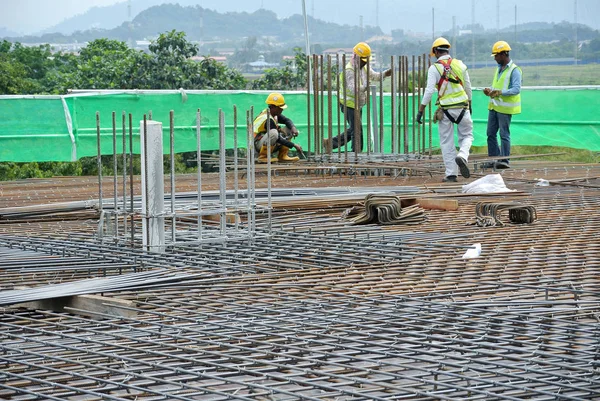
x=346 y=97
x=451 y=93
x=260 y=123
x=505 y=104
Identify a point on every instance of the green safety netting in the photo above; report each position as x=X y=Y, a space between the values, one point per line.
x=64 y=128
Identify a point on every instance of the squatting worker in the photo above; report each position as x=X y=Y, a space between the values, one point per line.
x=505 y=101
x=348 y=104
x=280 y=130
x=449 y=77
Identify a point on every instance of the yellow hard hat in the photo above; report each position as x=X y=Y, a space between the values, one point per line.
x=362 y=50
x=500 y=46
x=439 y=42
x=276 y=99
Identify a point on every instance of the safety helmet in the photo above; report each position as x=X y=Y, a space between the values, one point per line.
x=439 y=42
x=499 y=47
x=362 y=50
x=276 y=99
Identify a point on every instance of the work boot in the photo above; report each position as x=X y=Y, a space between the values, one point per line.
x=262 y=156
x=500 y=165
x=450 y=178
x=283 y=155
x=462 y=166
x=327 y=146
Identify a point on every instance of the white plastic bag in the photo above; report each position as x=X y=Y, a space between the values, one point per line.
x=473 y=252
x=488 y=184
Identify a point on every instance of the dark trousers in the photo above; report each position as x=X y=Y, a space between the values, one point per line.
x=498 y=121
x=348 y=136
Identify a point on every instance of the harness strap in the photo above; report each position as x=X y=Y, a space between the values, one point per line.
x=458 y=120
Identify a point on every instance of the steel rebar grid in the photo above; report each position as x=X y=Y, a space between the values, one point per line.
x=332 y=335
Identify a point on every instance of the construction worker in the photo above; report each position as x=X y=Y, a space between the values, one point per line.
x=269 y=132
x=505 y=101
x=449 y=77
x=348 y=104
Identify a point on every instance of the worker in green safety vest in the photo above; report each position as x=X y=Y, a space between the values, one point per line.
x=505 y=101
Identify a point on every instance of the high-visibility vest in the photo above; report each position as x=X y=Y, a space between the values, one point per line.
x=348 y=99
x=505 y=104
x=451 y=93
x=260 y=123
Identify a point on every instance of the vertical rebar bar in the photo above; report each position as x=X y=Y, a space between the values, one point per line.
x=368 y=104
x=115 y=175
x=344 y=89
x=413 y=106
x=381 y=125
x=172 y=164
x=250 y=173
x=99 y=162
x=339 y=94
x=329 y=102
x=357 y=108
x=393 y=106
x=199 y=171
x=430 y=127
x=124 y=135
x=222 y=173
x=131 y=179
x=321 y=103
x=146 y=185
x=417 y=85
x=315 y=95
x=235 y=163
x=308 y=94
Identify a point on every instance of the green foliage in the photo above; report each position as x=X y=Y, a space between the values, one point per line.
x=22 y=69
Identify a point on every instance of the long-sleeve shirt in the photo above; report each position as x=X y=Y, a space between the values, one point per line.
x=351 y=82
x=514 y=86
x=434 y=76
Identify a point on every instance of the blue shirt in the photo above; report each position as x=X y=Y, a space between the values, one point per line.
x=514 y=86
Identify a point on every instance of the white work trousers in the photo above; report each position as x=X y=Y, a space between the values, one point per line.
x=465 y=139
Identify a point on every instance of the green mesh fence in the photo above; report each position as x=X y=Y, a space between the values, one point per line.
x=52 y=128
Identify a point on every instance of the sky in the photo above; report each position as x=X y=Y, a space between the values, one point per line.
x=32 y=16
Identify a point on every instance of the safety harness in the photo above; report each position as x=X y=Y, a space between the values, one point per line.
x=449 y=75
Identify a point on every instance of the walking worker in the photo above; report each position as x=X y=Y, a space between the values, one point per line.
x=450 y=78
x=275 y=132
x=348 y=103
x=505 y=101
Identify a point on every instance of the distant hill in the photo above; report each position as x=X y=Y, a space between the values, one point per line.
x=203 y=24
x=6 y=33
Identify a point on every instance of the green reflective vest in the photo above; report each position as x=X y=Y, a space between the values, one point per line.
x=505 y=104
x=451 y=93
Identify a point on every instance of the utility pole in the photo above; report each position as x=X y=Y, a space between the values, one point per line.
x=576 y=40
x=360 y=17
x=432 y=23
x=473 y=32
x=515 y=23
x=497 y=19
x=130 y=25
x=307 y=43
x=455 y=51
